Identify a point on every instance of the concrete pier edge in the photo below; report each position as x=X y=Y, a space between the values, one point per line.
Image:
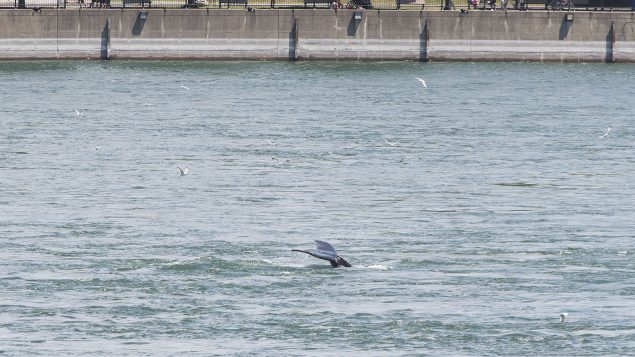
x=298 y=34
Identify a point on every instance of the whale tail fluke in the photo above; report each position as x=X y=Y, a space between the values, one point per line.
x=326 y=251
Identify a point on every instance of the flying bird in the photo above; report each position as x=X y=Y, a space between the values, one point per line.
x=324 y=250
x=390 y=143
x=606 y=133
x=279 y=162
x=423 y=83
x=272 y=143
x=405 y=160
x=80 y=112
x=183 y=171
x=563 y=316
x=186 y=88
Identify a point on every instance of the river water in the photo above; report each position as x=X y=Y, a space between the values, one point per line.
x=474 y=210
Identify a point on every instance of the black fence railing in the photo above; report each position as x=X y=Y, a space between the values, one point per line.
x=248 y=5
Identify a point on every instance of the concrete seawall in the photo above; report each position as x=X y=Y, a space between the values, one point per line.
x=318 y=34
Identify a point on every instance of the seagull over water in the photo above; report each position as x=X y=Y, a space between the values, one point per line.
x=272 y=143
x=80 y=112
x=183 y=171
x=324 y=250
x=405 y=160
x=606 y=133
x=563 y=316
x=390 y=143
x=278 y=161
x=186 y=88
x=423 y=83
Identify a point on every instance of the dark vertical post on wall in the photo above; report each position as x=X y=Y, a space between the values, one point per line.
x=293 y=40
x=424 y=38
x=610 y=55
x=565 y=27
x=105 y=41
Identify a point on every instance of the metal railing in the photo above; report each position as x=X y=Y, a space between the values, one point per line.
x=250 y=5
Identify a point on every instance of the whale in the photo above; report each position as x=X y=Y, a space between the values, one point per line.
x=324 y=250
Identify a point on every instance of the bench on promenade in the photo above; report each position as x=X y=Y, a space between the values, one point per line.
x=366 y=4
x=142 y=2
x=314 y=3
x=417 y=3
x=98 y=3
x=524 y=4
x=552 y=4
x=232 y=3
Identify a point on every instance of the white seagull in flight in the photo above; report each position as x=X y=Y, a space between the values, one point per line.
x=80 y=112
x=423 y=83
x=183 y=171
x=606 y=133
x=563 y=316
x=279 y=162
x=391 y=143
x=272 y=143
x=185 y=87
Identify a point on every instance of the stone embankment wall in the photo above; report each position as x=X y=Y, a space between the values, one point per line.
x=318 y=35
